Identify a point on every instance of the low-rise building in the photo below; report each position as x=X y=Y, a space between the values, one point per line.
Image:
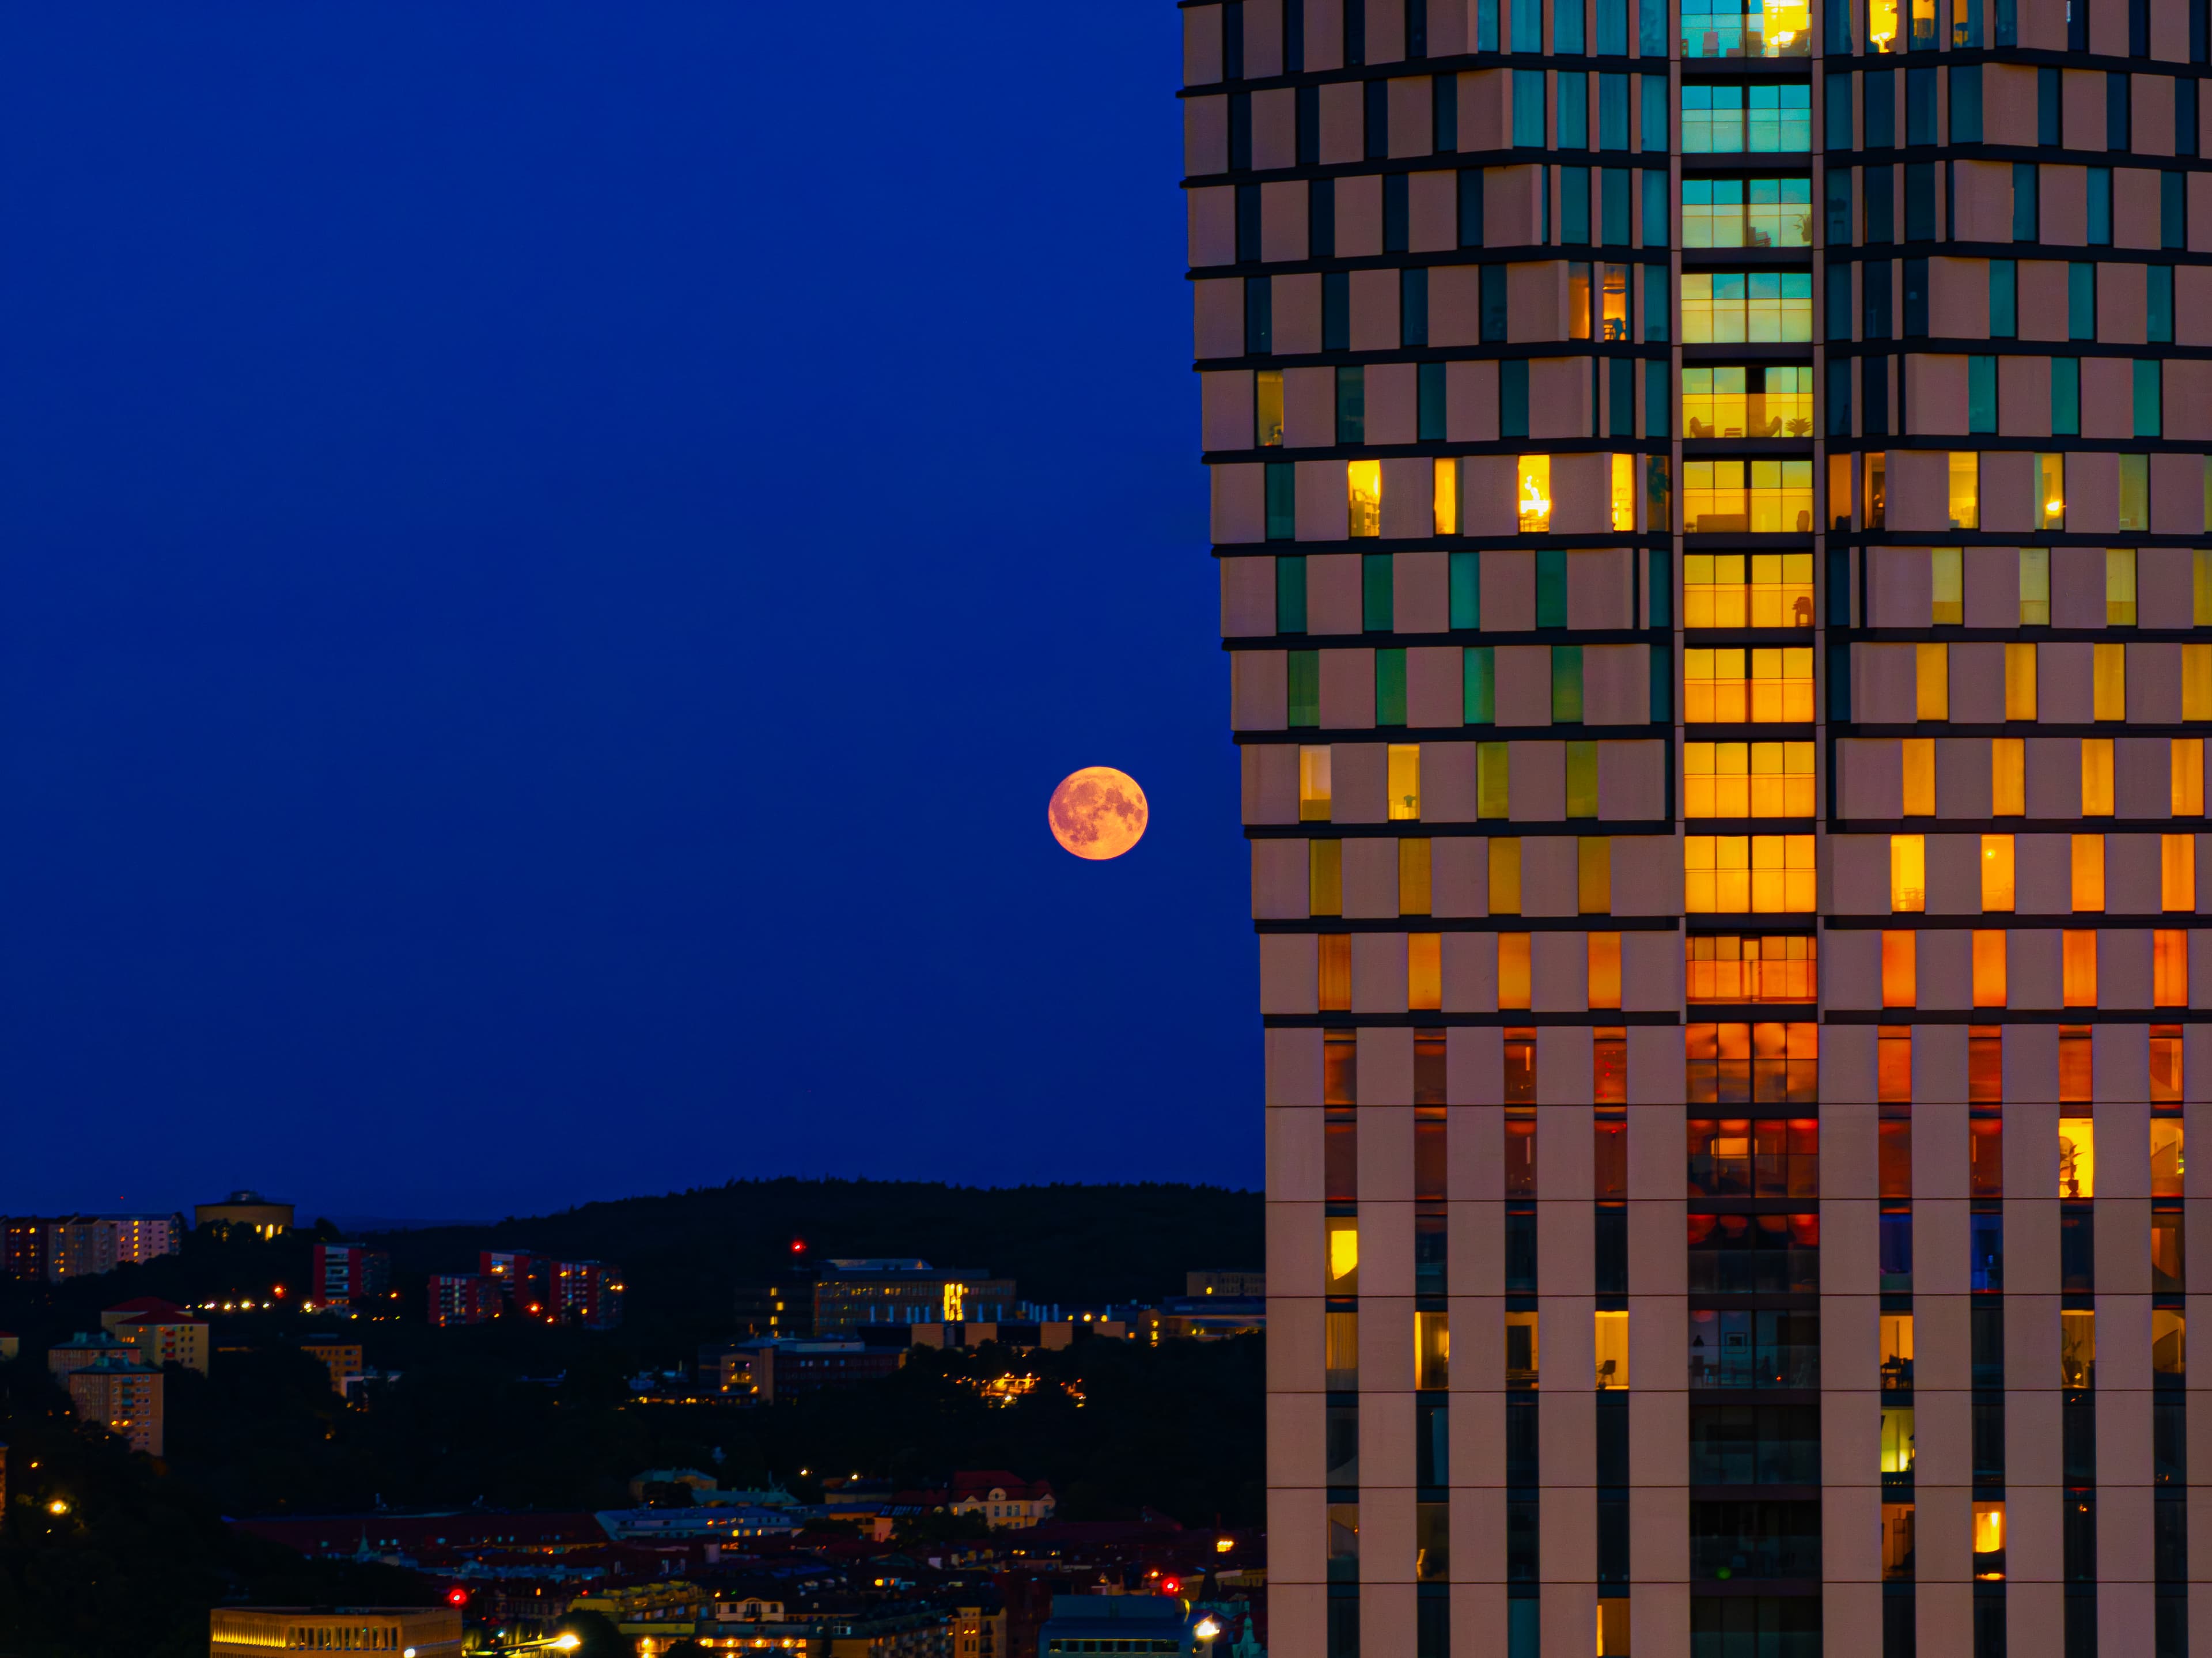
x=1243 y=1286
x=84 y=1347
x=1205 y=1318
x=51 y=1248
x=1155 y=1623
x=160 y=1330
x=123 y=1393
x=265 y=1217
x=770 y=1368
x=907 y=1290
x=1005 y=1501
x=255 y=1631
x=341 y=1358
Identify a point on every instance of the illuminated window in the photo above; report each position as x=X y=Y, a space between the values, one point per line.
x=2109 y=681
x=1755 y=1157
x=1899 y=977
x=1893 y=1064
x=1535 y=472
x=1493 y=773
x=2165 y=1090
x=2169 y=976
x=1520 y=1144
x=1520 y=1349
x=1747 y=780
x=1881 y=26
x=1989 y=1540
x=1745 y=402
x=1335 y=970
x=1730 y=968
x=1431 y=1350
x=2097 y=775
x=1343 y=1231
x=2035 y=584
x=2166 y=1163
x=1897 y=1439
x=1754 y=874
x=1513 y=970
x=1603 y=969
x=1770 y=118
x=2185 y=766
x=2051 y=489
x=1624 y=494
x=1762 y=685
x=2199 y=580
x=1582 y=776
x=1444 y=497
x=1405 y=781
x=1749 y=212
x=1985 y=1134
x=1424 y=971
x=1364 y=496
x=2196 y=681
x=1609 y=1067
x=1313 y=783
x=1340 y=1075
x=1908 y=874
x=2077 y=1157
x=2088 y=873
x=1612 y=1343
x=1765 y=497
x=1341 y=1339
x=1741 y=307
x=2075 y=1069
x=1748 y=1063
x=1932 y=681
x=1876 y=495
x=2168 y=1354
x=1325 y=877
x=2020 y=681
x=1748 y=590
x=2119 y=588
x=2079 y=958
x=1917 y=764
x=1988 y=969
x=1267 y=406
x=1594 y=874
x=2176 y=873
x=1505 y=875
x=1896 y=1339
x=1413 y=884
x=1966 y=490
x=2007 y=777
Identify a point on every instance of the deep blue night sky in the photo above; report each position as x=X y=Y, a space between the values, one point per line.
x=553 y=555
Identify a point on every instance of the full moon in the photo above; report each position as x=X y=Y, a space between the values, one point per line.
x=1098 y=812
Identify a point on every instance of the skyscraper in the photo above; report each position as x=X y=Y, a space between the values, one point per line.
x=1712 y=513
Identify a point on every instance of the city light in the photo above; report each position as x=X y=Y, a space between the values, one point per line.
x=58 y=1507
x=568 y=1642
x=1207 y=1628
x=1223 y=1544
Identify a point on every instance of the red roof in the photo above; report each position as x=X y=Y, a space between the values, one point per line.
x=154 y=1311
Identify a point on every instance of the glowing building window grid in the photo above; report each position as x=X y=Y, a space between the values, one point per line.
x=1747 y=780
x=1729 y=28
x=1747 y=874
x=1748 y=590
x=1733 y=308
x=1739 y=685
x=1748 y=213
x=1765 y=497
x=1750 y=401
x=1728 y=120
x=1729 y=968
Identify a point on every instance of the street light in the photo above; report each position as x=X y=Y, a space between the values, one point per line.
x=58 y=1507
x=1207 y=1628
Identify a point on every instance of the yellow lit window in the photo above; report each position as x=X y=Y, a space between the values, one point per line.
x=2169 y=968
x=1988 y=969
x=1897 y=1439
x=1505 y=875
x=1325 y=877
x=2088 y=864
x=1738 y=874
x=1513 y=970
x=2077 y=1343
x=1341 y=1337
x=1739 y=590
x=1603 y=969
x=1965 y=480
x=1267 y=406
x=1535 y=472
x=1612 y=1344
x=2199 y=574
x=1899 y=977
x=2187 y=769
x=1431 y=1350
x=2119 y=587
x=1578 y=298
x=2077 y=1157
x=1425 y=972
x=1747 y=780
x=1881 y=26
x=2007 y=777
x=1781 y=685
x=2051 y=504
x=1946 y=587
x=2168 y=1355
x=1493 y=779
x=1729 y=968
x=2109 y=679
x=1594 y=874
x=1908 y=872
x=1989 y=1540
x=1405 y=781
x=2176 y=873
x=2020 y=681
x=1413 y=863
x=2166 y=1164
x=2165 y=1078
x=1750 y=402
x=1918 y=766
x=1444 y=494
x=1520 y=1349
x=2096 y=777
x=1335 y=970
x=1624 y=494
x=1343 y=1254
x=2078 y=968
x=2035 y=586
x=1766 y=497
x=1874 y=499
x=1896 y=1340
x=1612 y=1619
x=1364 y=496
x=1313 y=783
x=1932 y=681
x=2196 y=681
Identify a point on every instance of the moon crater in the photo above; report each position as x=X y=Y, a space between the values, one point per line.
x=1098 y=812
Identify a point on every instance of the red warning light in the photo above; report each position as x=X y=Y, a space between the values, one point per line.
x=457 y=1596
x=1171 y=1585
x=799 y=1246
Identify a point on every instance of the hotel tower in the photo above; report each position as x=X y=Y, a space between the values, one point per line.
x=1712 y=515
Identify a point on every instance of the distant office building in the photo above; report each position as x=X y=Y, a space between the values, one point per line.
x=850 y=1293
x=254 y=1631
x=775 y=1309
x=1204 y=1318
x=461 y=1298
x=348 y=1274
x=161 y=1332
x=588 y=1291
x=123 y=1393
x=341 y=1358
x=770 y=1368
x=1239 y=1285
x=263 y=1217
x=50 y=1248
x=523 y=1279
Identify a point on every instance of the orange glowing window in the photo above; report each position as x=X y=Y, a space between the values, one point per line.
x=2088 y=873
x=1425 y=972
x=1997 y=873
x=1604 y=969
x=1512 y=970
x=1335 y=969
x=2078 y=955
x=1893 y=1064
x=1988 y=968
x=1732 y=968
x=2177 y=873
x=1898 y=958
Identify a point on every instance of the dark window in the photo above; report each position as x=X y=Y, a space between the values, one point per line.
x=1240 y=130
x=1470 y=207
x=1612 y=109
x=1656 y=217
x=1613 y=28
x=2078 y=1543
x=1967 y=104
x=2004 y=311
x=1613 y=1538
x=2100 y=207
x=1920 y=107
x=2046 y=108
x=1432 y=1443
x=2080 y=301
x=1989 y=1443
x=1320 y=219
x=1433 y=1622
x=2024 y=218
x=1351 y=405
x=1417 y=28
x=1282 y=502
x=1754 y=1445
x=1881 y=113
x=1621 y=397
x=1722 y=1626
x=1551 y=588
x=1376 y=587
x=1839 y=106
x=2169 y=1549
x=1985 y=1342
x=1248 y=223
x=1981 y=396
x=1574 y=205
x=1520 y=1252
x=1232 y=40
x=1614 y=209
x=1839 y=301
x=1655 y=102
x=1443 y=113
x=2007 y=32
x=1377 y=94
x=1355 y=33
x=1658 y=411
x=1874 y=399
x=2185 y=117
x=1755 y=1255
x=1290 y=594
x=2169 y=1441
x=1259 y=315
x=1308 y=107
x=2077 y=1249
x=1294 y=38
x=1740 y=1540
x=1494 y=305
x=1611 y=1243
x=1881 y=205
x=2173 y=210
x=1396 y=212
x=1920 y=201
x=1519 y=1443
x=1915 y=298
x=1431 y=402
x=1986 y=1252
x=1513 y=398
x=1335 y=311
x=2157 y=297
x=1839 y=406
x=1873 y=285
x=2116 y=110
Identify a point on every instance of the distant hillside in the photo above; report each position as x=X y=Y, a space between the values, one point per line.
x=685 y=1253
